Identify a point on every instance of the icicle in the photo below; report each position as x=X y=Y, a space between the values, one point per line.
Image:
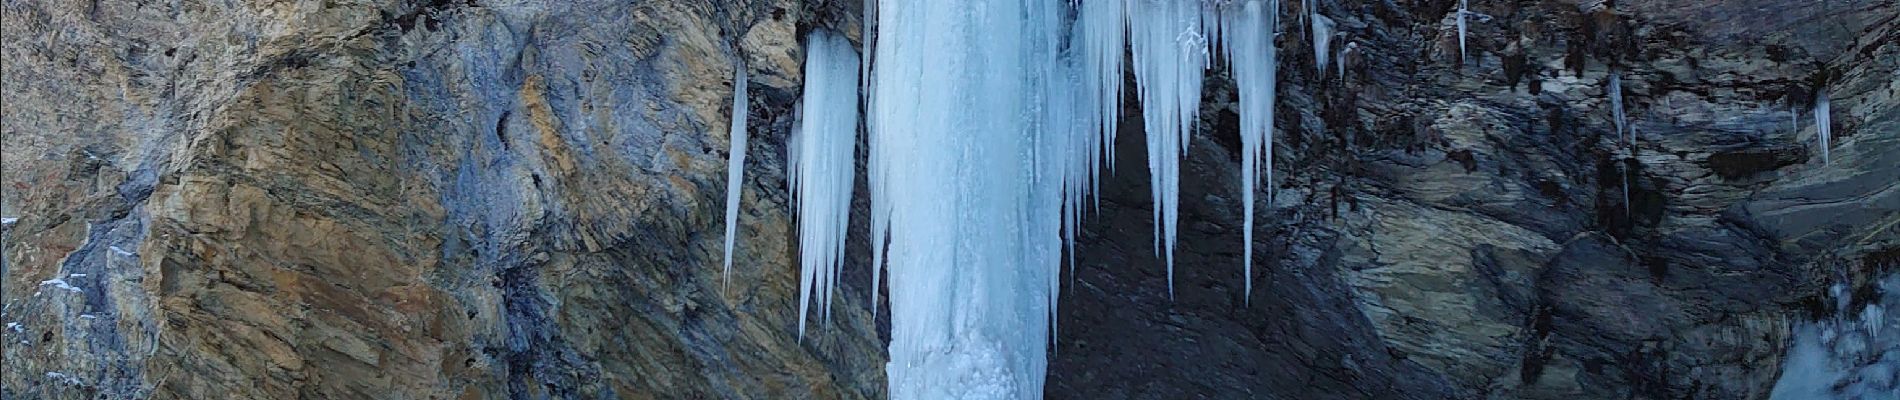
x=735 y=163
x=1099 y=43
x=1794 y=120
x=880 y=213
x=1823 y=125
x=1322 y=41
x=1170 y=57
x=1461 y=29
x=1874 y=318
x=1626 y=189
x=1248 y=40
x=1102 y=33
x=1340 y=62
x=820 y=172
x=1616 y=106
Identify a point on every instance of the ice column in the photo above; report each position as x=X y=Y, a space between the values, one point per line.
x=969 y=146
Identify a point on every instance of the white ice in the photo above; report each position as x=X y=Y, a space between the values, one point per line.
x=820 y=173
x=1616 y=106
x=735 y=162
x=1248 y=39
x=968 y=143
x=1322 y=41
x=1461 y=28
x=1170 y=59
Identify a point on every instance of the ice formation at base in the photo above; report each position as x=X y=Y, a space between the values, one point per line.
x=820 y=173
x=1851 y=355
x=735 y=163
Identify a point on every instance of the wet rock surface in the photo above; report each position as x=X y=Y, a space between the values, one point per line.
x=522 y=199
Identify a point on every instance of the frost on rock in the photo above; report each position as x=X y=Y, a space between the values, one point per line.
x=820 y=172
x=61 y=377
x=1823 y=125
x=1248 y=39
x=735 y=163
x=1170 y=59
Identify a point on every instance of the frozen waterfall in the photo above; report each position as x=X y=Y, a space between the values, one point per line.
x=989 y=122
x=968 y=154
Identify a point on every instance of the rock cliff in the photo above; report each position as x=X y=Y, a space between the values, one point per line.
x=523 y=199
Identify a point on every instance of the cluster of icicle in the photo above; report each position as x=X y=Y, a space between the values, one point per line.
x=1823 y=123
x=989 y=122
x=820 y=166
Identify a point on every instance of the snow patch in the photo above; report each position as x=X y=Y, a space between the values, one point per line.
x=59 y=283
x=64 y=378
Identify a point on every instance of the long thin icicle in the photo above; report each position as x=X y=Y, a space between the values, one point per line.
x=1616 y=107
x=1461 y=28
x=735 y=163
x=1248 y=38
x=820 y=170
x=1823 y=125
x=880 y=214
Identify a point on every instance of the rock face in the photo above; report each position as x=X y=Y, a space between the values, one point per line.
x=523 y=199
x=402 y=200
